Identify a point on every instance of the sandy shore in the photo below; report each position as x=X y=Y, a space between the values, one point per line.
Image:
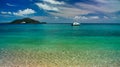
x=35 y=57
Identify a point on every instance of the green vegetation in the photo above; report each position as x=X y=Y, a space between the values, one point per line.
x=26 y=21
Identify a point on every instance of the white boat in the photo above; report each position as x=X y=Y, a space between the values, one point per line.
x=23 y=22
x=75 y=24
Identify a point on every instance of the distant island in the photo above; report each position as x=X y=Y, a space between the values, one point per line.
x=26 y=21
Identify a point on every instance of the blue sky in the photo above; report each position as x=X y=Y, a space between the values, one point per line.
x=61 y=11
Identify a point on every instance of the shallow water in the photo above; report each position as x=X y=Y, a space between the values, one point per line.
x=59 y=45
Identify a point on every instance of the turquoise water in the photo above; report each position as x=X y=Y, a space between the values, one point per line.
x=62 y=35
x=89 y=45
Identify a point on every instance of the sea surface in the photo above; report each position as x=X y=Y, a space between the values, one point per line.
x=59 y=45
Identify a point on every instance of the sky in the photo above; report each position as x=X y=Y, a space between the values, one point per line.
x=61 y=11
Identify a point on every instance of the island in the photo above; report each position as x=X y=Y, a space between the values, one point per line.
x=26 y=21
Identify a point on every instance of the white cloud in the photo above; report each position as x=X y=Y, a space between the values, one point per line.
x=20 y=12
x=62 y=9
x=94 y=17
x=77 y=18
x=53 y=2
x=80 y=18
x=24 y=12
x=69 y=12
x=8 y=4
x=84 y=18
x=109 y=6
x=47 y=7
x=92 y=7
x=6 y=12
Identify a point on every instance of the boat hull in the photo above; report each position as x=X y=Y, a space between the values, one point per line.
x=76 y=24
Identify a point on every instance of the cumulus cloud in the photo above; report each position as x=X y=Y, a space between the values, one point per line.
x=24 y=12
x=6 y=12
x=83 y=18
x=53 y=2
x=94 y=17
x=47 y=7
x=77 y=18
x=20 y=12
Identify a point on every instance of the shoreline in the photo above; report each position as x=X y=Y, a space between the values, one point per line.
x=63 y=58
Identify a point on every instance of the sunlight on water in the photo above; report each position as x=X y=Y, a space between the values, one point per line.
x=59 y=45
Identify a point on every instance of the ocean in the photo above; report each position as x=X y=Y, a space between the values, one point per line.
x=59 y=45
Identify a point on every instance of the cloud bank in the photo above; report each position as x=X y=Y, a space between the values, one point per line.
x=62 y=9
x=24 y=12
x=66 y=10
